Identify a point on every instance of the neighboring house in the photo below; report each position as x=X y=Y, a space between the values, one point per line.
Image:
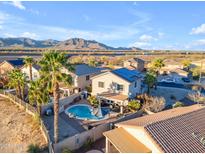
x=9 y=65
x=179 y=130
x=82 y=75
x=117 y=86
x=35 y=71
x=134 y=63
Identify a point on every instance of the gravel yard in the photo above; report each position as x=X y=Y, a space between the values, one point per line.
x=167 y=92
x=17 y=129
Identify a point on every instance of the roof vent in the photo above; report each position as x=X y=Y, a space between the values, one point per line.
x=194 y=134
x=202 y=140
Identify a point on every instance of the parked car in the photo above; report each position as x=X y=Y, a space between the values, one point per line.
x=186 y=79
x=168 y=80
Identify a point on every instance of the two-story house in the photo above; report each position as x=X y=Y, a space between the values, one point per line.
x=117 y=86
x=82 y=75
x=35 y=71
x=134 y=64
x=9 y=65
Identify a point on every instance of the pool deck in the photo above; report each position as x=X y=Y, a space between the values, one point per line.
x=67 y=126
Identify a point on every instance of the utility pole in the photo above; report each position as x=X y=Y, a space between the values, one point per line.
x=200 y=75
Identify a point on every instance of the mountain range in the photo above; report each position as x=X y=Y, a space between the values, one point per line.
x=70 y=44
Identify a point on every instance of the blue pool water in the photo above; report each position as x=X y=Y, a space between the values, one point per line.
x=83 y=111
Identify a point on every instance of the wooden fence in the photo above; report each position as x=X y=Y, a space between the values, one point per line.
x=32 y=111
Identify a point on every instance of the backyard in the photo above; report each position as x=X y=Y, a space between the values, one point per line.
x=18 y=129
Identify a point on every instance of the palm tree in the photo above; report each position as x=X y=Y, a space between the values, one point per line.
x=51 y=64
x=38 y=94
x=157 y=64
x=17 y=80
x=150 y=80
x=28 y=63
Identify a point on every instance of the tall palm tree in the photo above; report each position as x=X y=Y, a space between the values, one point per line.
x=28 y=63
x=51 y=64
x=17 y=80
x=38 y=94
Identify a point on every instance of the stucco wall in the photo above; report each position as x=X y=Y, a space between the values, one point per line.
x=108 y=79
x=141 y=136
x=75 y=142
x=35 y=73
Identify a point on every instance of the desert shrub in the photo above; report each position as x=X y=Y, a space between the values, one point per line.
x=66 y=150
x=33 y=148
x=134 y=105
x=93 y=100
x=177 y=104
x=197 y=97
x=153 y=104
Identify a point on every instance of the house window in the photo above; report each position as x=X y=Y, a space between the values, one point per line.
x=101 y=84
x=120 y=87
x=87 y=77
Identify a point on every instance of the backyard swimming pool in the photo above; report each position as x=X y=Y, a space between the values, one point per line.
x=86 y=112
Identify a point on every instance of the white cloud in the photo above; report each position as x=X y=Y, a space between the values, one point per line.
x=160 y=35
x=9 y=35
x=140 y=44
x=146 y=38
x=29 y=35
x=198 y=30
x=200 y=42
x=18 y=4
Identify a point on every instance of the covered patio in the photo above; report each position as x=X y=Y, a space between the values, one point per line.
x=116 y=98
x=119 y=140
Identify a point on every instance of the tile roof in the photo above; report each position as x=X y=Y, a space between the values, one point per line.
x=126 y=74
x=175 y=135
x=83 y=69
x=136 y=60
x=173 y=129
x=16 y=62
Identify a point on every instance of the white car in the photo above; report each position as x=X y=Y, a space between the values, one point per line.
x=168 y=80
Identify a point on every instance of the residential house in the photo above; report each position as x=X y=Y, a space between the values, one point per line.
x=82 y=75
x=35 y=71
x=9 y=65
x=178 y=130
x=117 y=86
x=134 y=63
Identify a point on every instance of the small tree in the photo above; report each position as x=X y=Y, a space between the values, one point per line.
x=33 y=148
x=93 y=100
x=134 y=105
x=177 y=104
x=186 y=64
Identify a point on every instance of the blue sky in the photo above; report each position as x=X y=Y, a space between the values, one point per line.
x=148 y=25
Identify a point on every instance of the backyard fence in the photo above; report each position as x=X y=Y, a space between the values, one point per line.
x=78 y=140
x=32 y=111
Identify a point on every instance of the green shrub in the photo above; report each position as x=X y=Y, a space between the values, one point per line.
x=177 y=104
x=89 y=89
x=33 y=148
x=66 y=150
x=88 y=144
x=134 y=105
x=93 y=100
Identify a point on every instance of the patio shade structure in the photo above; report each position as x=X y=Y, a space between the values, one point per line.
x=123 y=142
